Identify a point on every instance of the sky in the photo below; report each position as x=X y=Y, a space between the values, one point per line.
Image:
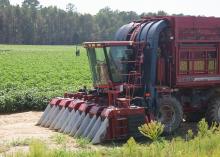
x=188 y=7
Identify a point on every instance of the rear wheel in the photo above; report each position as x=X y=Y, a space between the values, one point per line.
x=170 y=114
x=213 y=111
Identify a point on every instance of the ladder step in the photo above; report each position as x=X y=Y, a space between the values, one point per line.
x=119 y=119
x=128 y=61
x=131 y=74
x=133 y=86
x=137 y=61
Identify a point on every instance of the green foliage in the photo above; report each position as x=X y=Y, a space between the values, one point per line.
x=32 y=75
x=37 y=149
x=215 y=128
x=130 y=148
x=4 y=3
x=59 y=138
x=30 y=3
x=33 y=24
x=152 y=130
x=20 y=142
x=202 y=147
x=189 y=135
x=203 y=128
x=82 y=142
x=40 y=149
x=177 y=147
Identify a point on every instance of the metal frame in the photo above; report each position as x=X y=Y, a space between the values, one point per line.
x=101 y=44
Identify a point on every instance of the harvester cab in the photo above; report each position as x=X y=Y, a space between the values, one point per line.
x=157 y=68
x=114 y=67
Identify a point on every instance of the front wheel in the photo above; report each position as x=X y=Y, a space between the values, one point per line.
x=170 y=113
x=213 y=111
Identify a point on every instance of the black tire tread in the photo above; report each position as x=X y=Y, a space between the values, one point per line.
x=213 y=107
x=179 y=116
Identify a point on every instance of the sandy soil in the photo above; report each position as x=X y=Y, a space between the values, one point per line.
x=22 y=126
x=19 y=127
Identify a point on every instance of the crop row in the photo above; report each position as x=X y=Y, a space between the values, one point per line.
x=31 y=75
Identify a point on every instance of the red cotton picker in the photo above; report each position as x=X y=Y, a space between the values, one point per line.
x=157 y=68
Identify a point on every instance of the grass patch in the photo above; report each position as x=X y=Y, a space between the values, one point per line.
x=59 y=138
x=197 y=147
x=82 y=142
x=39 y=149
x=20 y=142
x=3 y=148
x=207 y=145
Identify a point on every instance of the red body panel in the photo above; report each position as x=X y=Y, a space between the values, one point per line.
x=118 y=120
x=195 y=38
x=55 y=101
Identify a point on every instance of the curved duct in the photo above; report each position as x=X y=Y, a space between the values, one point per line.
x=150 y=33
x=122 y=32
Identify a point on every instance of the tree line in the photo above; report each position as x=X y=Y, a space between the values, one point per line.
x=32 y=23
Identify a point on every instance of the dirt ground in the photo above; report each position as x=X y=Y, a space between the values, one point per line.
x=15 y=128
x=22 y=126
x=19 y=128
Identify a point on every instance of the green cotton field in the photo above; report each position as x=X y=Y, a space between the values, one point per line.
x=31 y=75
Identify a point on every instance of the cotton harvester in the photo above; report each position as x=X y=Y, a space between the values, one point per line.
x=157 y=68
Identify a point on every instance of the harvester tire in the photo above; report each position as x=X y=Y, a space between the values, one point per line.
x=170 y=113
x=213 y=111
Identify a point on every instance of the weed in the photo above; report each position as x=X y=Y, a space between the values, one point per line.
x=38 y=149
x=20 y=142
x=203 y=128
x=215 y=128
x=59 y=138
x=130 y=148
x=152 y=130
x=82 y=142
x=189 y=135
x=197 y=147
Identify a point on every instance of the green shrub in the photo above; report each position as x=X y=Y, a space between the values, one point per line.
x=152 y=130
x=203 y=128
